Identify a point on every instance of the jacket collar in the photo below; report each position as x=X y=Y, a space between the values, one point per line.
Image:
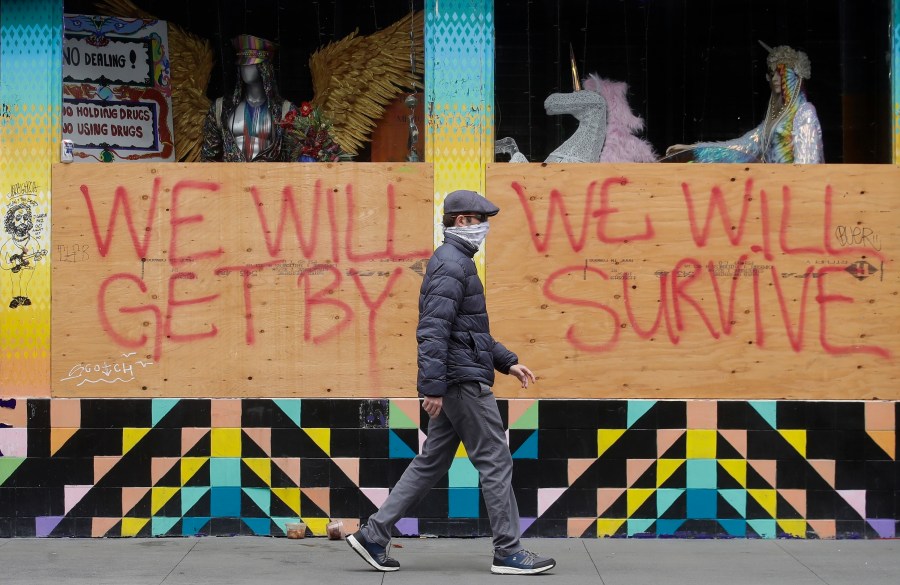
x=460 y=244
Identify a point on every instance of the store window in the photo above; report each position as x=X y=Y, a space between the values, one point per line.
x=695 y=69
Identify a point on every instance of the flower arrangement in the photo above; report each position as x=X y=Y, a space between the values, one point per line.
x=311 y=133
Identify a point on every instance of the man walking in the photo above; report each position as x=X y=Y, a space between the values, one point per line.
x=457 y=357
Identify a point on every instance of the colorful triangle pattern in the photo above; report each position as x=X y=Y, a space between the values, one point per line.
x=620 y=473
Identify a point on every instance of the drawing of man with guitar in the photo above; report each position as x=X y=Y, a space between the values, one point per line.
x=20 y=252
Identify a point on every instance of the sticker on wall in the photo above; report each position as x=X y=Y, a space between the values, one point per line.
x=23 y=244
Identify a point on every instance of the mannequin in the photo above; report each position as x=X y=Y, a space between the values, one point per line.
x=790 y=133
x=246 y=126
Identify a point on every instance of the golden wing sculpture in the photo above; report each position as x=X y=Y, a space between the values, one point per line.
x=191 y=62
x=355 y=78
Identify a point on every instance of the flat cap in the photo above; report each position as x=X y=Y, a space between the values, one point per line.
x=465 y=201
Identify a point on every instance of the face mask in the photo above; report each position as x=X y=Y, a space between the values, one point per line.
x=474 y=234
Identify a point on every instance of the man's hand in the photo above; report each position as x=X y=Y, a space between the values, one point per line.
x=522 y=372
x=432 y=405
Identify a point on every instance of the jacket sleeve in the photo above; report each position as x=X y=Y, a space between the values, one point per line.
x=439 y=307
x=503 y=358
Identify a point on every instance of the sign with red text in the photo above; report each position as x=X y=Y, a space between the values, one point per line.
x=677 y=281
x=116 y=90
x=222 y=279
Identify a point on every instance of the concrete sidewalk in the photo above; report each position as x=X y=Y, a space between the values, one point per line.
x=257 y=560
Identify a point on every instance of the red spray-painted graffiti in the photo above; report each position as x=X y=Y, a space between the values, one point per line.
x=331 y=243
x=683 y=287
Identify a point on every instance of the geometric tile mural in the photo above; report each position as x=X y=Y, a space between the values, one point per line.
x=582 y=468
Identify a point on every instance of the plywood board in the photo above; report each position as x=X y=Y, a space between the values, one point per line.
x=673 y=281
x=238 y=279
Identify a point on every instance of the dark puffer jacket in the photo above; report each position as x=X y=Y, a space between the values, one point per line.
x=455 y=343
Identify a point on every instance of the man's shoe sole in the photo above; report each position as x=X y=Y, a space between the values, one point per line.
x=501 y=570
x=361 y=551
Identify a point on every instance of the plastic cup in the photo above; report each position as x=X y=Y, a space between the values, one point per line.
x=335 y=530
x=295 y=529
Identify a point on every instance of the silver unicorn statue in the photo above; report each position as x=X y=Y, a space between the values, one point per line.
x=584 y=146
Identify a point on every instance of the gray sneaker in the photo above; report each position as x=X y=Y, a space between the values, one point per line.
x=521 y=563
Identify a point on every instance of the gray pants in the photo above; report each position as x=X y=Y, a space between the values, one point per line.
x=469 y=414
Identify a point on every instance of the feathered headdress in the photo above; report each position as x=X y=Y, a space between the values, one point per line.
x=793 y=59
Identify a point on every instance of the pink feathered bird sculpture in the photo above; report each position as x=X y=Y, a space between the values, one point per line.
x=622 y=124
